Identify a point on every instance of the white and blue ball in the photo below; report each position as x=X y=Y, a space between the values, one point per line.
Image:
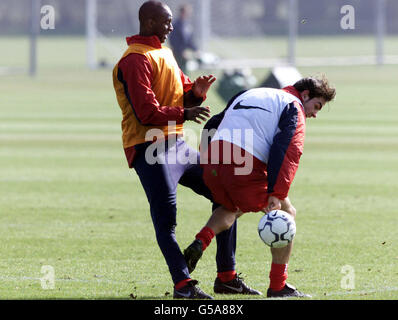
x=277 y=229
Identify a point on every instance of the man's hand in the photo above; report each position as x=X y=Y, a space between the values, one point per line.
x=202 y=85
x=273 y=204
x=197 y=113
x=277 y=204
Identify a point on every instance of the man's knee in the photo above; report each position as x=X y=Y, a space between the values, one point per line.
x=164 y=217
x=288 y=207
x=164 y=232
x=291 y=210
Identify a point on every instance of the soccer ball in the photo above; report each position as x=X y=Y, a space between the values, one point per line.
x=277 y=229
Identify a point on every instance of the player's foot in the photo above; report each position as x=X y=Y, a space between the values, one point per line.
x=287 y=292
x=192 y=254
x=190 y=291
x=235 y=286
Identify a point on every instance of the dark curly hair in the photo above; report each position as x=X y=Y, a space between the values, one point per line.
x=317 y=87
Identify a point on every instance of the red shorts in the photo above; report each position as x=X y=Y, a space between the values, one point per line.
x=229 y=187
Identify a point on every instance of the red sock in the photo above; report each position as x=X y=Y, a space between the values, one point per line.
x=226 y=276
x=205 y=235
x=182 y=283
x=278 y=276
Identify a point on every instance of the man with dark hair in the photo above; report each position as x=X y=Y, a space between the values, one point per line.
x=275 y=121
x=316 y=88
x=181 y=40
x=156 y=98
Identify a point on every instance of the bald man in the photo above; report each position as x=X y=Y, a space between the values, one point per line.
x=156 y=98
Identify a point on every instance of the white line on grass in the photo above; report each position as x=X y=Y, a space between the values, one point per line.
x=64 y=280
x=361 y=292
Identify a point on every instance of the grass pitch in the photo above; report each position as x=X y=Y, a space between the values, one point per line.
x=68 y=200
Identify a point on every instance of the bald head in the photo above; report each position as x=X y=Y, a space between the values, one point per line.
x=152 y=10
x=155 y=19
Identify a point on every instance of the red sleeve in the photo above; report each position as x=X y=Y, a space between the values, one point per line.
x=186 y=82
x=135 y=72
x=187 y=85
